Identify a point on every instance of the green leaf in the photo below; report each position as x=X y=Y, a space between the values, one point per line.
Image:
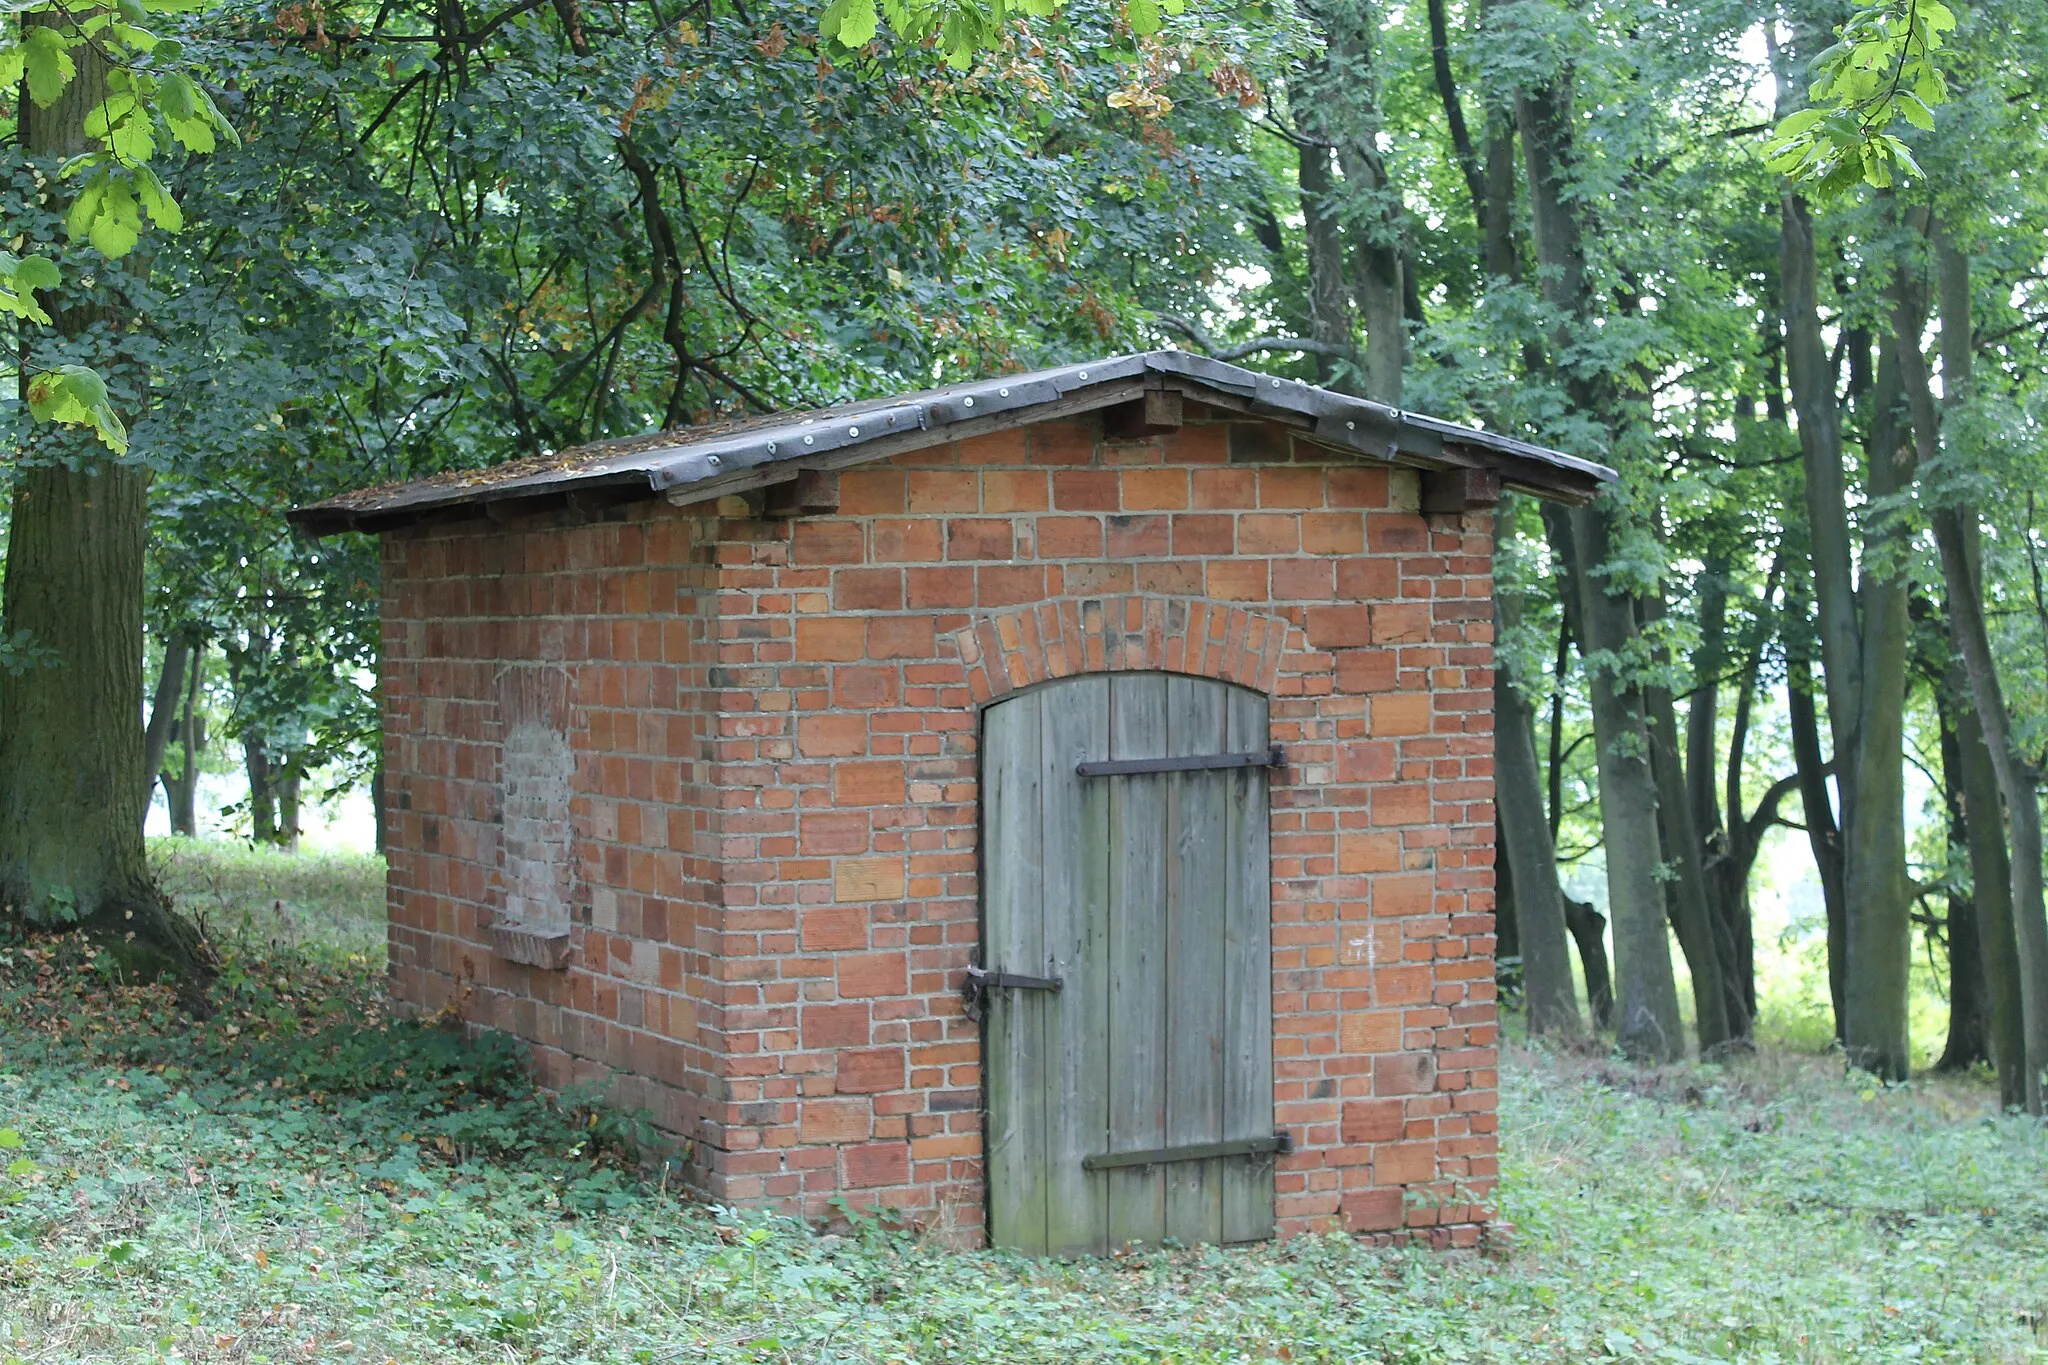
x=34 y=272
x=1143 y=17
x=1839 y=176
x=21 y=1166
x=195 y=133
x=118 y=225
x=50 y=392
x=1903 y=154
x=141 y=39
x=102 y=117
x=163 y=209
x=48 y=65
x=132 y=139
x=830 y=21
x=857 y=24
x=78 y=219
x=76 y=396
x=175 y=97
x=11 y=1138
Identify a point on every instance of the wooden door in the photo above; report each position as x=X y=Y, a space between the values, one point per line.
x=1124 y=856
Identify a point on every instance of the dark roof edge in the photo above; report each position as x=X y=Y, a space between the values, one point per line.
x=692 y=470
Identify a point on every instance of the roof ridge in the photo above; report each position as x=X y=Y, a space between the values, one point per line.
x=730 y=456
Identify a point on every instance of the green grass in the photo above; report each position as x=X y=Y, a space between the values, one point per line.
x=317 y=903
x=301 y=1179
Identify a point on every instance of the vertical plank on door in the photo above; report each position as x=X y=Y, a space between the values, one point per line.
x=1199 y=890
x=1247 y=1079
x=1075 y=872
x=1020 y=1089
x=1136 y=851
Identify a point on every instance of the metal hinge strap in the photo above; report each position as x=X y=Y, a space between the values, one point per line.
x=1200 y=1151
x=980 y=981
x=1015 y=981
x=1274 y=757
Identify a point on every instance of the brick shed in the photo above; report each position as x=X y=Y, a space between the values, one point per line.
x=1057 y=807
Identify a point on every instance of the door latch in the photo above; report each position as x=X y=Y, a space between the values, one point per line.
x=980 y=981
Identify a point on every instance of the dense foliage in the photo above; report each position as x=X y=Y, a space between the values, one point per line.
x=454 y=236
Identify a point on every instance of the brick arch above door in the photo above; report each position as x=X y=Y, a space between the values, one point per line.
x=1008 y=650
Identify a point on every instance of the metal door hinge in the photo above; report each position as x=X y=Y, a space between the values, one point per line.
x=1274 y=757
x=980 y=981
x=1279 y=1143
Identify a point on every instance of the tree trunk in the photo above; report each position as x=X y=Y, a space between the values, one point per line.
x=1366 y=211
x=1376 y=230
x=1823 y=834
x=1560 y=670
x=1539 y=903
x=1703 y=712
x=377 y=806
x=1543 y=117
x=288 y=788
x=262 y=792
x=1507 y=930
x=1877 y=892
x=1968 y=1002
x=1962 y=575
x=71 y=754
x=2016 y=781
x=181 y=791
x=1494 y=195
x=1587 y=926
x=1647 y=1025
x=163 y=711
x=1454 y=112
x=1501 y=259
x=1741 y=836
x=1812 y=381
x=1329 y=309
x=1865 y=666
x=1991 y=894
x=1692 y=918
x=1527 y=852
x=1589 y=934
x=1380 y=290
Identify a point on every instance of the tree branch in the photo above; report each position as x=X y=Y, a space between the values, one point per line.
x=1218 y=350
x=1766 y=813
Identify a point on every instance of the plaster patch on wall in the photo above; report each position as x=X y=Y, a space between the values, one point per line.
x=536 y=773
x=534 y=844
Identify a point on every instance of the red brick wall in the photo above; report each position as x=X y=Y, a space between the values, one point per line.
x=623 y=608
x=775 y=728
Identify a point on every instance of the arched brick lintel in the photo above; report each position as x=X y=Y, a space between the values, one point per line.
x=1008 y=650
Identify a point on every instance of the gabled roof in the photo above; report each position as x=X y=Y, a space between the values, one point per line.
x=698 y=463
